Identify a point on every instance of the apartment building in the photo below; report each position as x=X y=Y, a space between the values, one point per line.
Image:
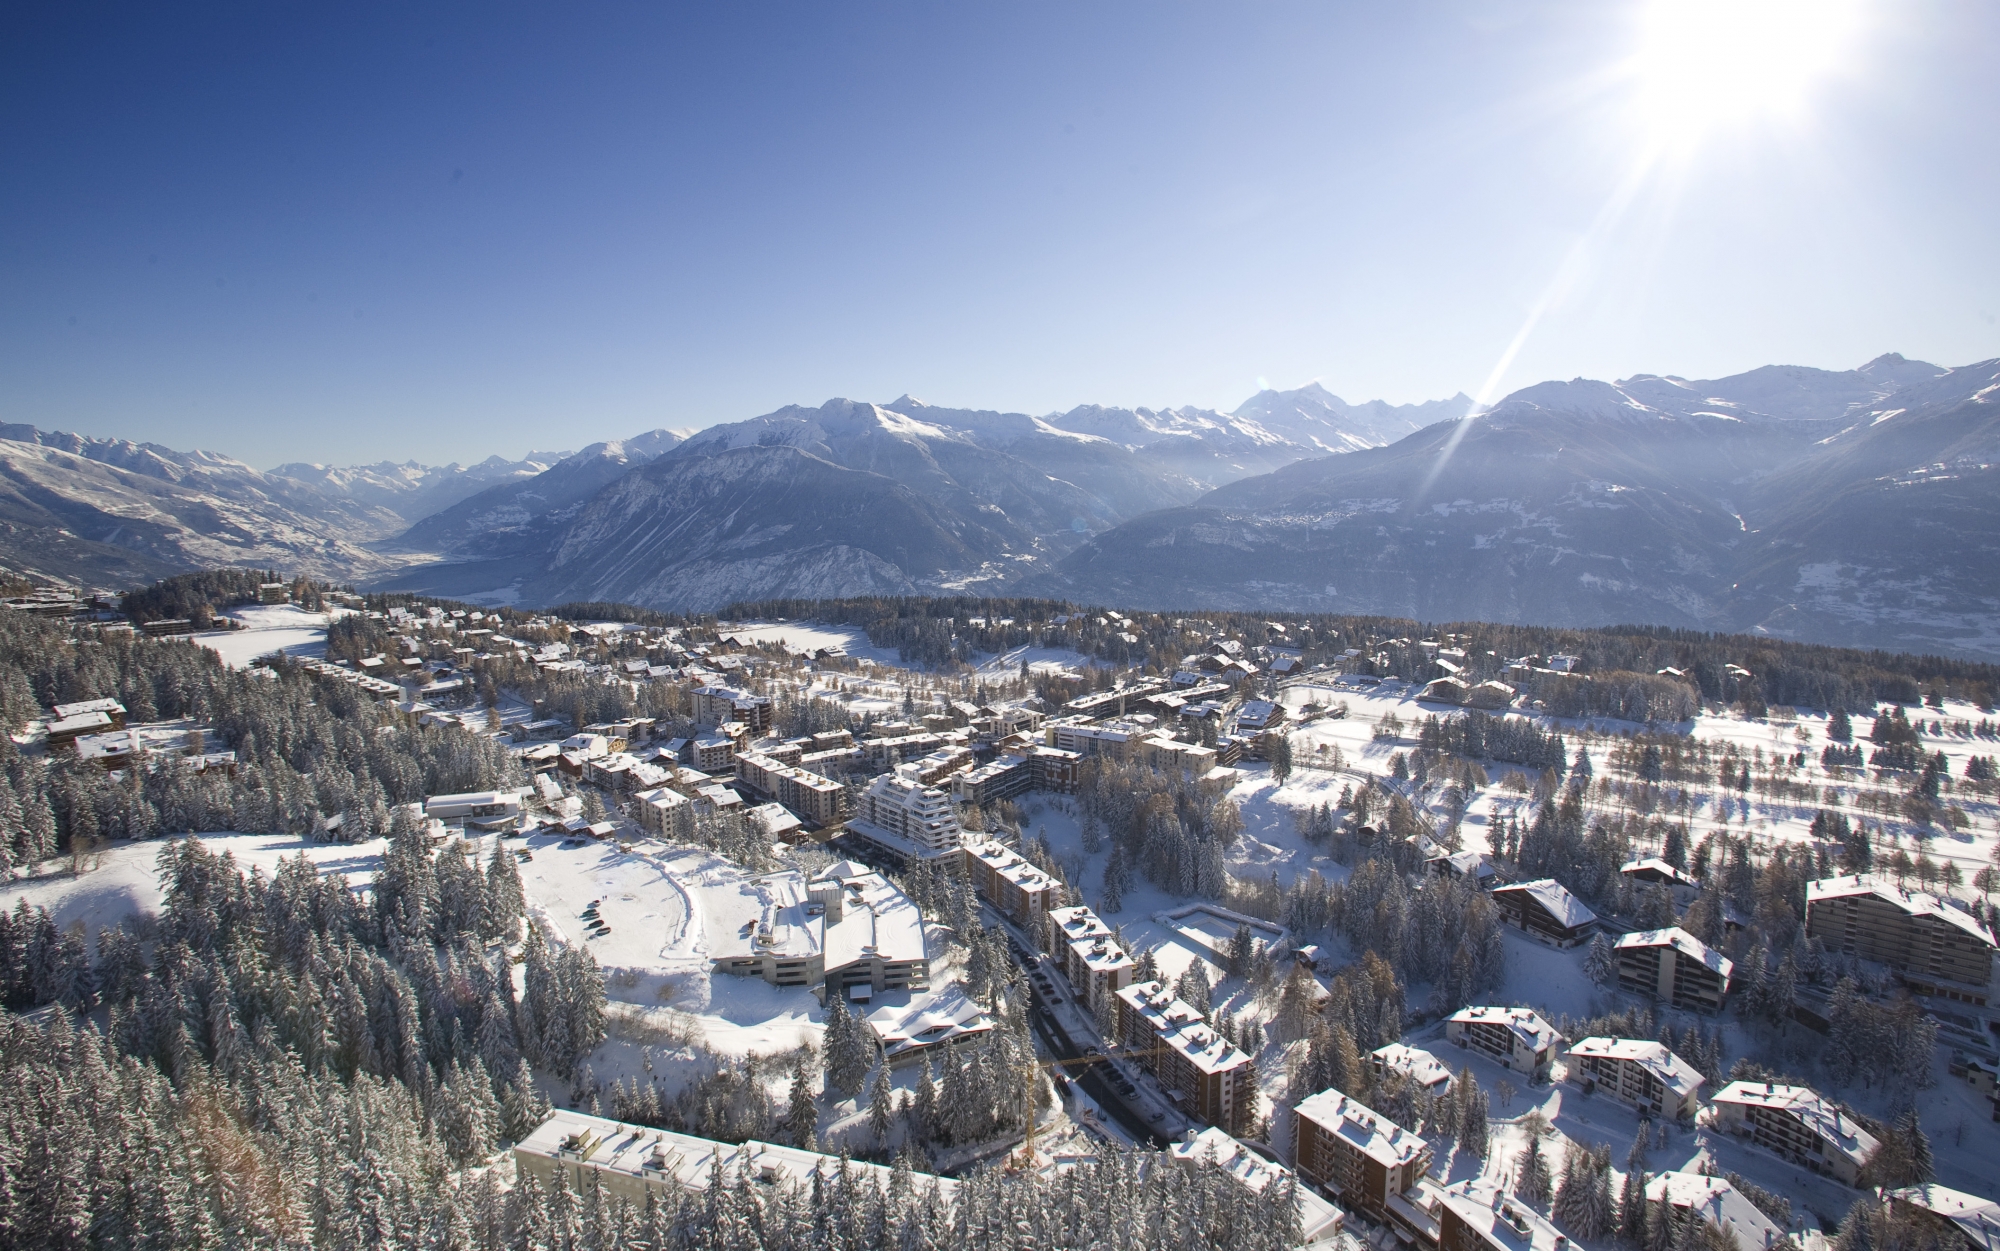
x=715 y=705
x=1090 y=956
x=1674 y=967
x=1011 y=882
x=1799 y=1124
x=1936 y=948
x=1478 y=1215
x=1367 y=1160
x=1545 y=910
x=665 y=812
x=819 y=800
x=1206 y=1076
x=899 y=812
x=1640 y=1073
x=1516 y=1037
x=1721 y=1204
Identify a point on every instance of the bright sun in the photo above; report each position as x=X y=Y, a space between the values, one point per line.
x=1709 y=64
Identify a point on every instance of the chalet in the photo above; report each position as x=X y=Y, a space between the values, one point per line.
x=1429 y=1073
x=1547 y=911
x=109 y=707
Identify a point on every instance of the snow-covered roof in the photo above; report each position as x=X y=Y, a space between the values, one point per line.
x=1914 y=902
x=745 y=917
x=1363 y=1128
x=688 y=1162
x=1673 y=1072
x=1500 y=1220
x=1319 y=1221
x=1526 y=1024
x=1654 y=864
x=1977 y=1218
x=911 y=1020
x=1717 y=1201
x=1682 y=941
x=1181 y=1027
x=1812 y=1109
x=876 y=920
x=1568 y=911
x=1415 y=1063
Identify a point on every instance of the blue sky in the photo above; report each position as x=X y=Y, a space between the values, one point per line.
x=344 y=233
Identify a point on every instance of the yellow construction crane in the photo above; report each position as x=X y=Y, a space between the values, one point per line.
x=1034 y=1071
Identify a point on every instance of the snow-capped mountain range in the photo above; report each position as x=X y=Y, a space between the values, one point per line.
x=1848 y=506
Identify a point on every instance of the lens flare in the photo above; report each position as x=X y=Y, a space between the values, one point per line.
x=1707 y=64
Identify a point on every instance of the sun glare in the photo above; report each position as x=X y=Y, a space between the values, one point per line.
x=1709 y=64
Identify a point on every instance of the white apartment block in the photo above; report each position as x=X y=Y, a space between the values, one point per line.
x=917 y=819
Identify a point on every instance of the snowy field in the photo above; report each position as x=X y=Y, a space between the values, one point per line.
x=268 y=627
x=805 y=637
x=1057 y=660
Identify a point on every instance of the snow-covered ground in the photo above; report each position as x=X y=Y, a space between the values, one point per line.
x=1057 y=660
x=267 y=628
x=805 y=637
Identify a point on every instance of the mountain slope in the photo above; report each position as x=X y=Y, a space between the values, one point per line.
x=114 y=513
x=718 y=523
x=413 y=491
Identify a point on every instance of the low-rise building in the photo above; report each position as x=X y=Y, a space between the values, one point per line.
x=1516 y=1037
x=1414 y=1064
x=873 y=935
x=628 y=1162
x=111 y=708
x=1198 y=1068
x=1319 y=1221
x=1090 y=956
x=1721 y=1204
x=1545 y=910
x=1936 y=948
x=1010 y=882
x=769 y=930
x=1674 y=967
x=475 y=806
x=1640 y=1073
x=1799 y=1124
x=911 y=1025
x=1367 y=1160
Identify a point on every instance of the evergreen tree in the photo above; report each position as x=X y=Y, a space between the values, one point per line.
x=1598 y=964
x=801 y=1110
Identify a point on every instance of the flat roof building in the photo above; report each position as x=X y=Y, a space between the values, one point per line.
x=873 y=935
x=1091 y=958
x=1674 y=967
x=1011 y=882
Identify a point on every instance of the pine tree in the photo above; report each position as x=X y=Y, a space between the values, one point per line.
x=1598 y=964
x=1533 y=1182
x=1923 y=1169
x=881 y=1106
x=801 y=1109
